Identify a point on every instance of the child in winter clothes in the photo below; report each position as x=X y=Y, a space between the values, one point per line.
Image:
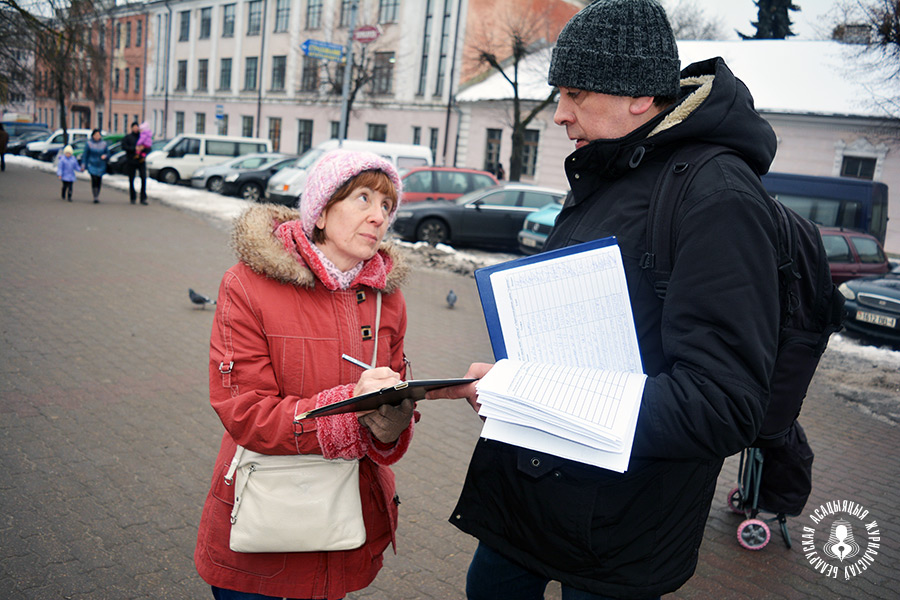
x=144 y=141
x=66 y=169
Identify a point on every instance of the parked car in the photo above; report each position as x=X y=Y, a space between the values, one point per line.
x=16 y=145
x=114 y=140
x=18 y=128
x=46 y=149
x=116 y=162
x=187 y=152
x=442 y=183
x=853 y=254
x=250 y=184
x=537 y=227
x=490 y=217
x=873 y=306
x=211 y=177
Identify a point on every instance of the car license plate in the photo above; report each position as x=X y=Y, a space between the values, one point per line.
x=529 y=242
x=882 y=320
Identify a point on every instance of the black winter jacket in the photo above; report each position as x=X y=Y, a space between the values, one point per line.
x=708 y=351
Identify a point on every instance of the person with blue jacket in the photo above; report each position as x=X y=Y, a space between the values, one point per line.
x=96 y=151
x=66 y=169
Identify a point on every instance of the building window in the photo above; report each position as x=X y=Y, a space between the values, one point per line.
x=383 y=73
x=116 y=81
x=387 y=11
x=442 y=54
x=223 y=124
x=282 y=15
x=433 y=140
x=138 y=33
x=858 y=167
x=100 y=119
x=426 y=42
x=530 y=152
x=128 y=34
x=254 y=17
x=181 y=78
x=205 y=22
x=185 y=29
x=279 y=64
x=492 y=150
x=102 y=38
x=179 y=122
x=225 y=74
x=304 y=135
x=417 y=135
x=228 y=20
x=345 y=13
x=250 y=72
x=309 y=77
x=115 y=121
x=203 y=75
x=200 y=119
x=118 y=35
x=335 y=129
x=127 y=78
x=275 y=133
x=314 y=14
x=377 y=132
x=247 y=126
x=137 y=80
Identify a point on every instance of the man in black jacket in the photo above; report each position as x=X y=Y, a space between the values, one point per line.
x=708 y=348
x=135 y=163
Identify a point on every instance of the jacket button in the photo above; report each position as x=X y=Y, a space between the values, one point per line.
x=577 y=176
x=535 y=462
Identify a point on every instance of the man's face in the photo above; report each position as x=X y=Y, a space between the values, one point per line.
x=590 y=116
x=135 y=129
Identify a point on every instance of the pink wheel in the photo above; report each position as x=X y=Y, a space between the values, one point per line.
x=735 y=502
x=753 y=534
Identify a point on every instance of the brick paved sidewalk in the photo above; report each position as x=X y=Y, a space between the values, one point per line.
x=108 y=438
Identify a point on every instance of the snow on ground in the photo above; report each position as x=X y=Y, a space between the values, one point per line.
x=225 y=208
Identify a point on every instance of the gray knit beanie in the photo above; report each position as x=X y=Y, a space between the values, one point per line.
x=618 y=47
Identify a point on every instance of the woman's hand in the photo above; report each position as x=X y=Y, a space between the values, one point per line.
x=373 y=380
x=388 y=422
x=467 y=391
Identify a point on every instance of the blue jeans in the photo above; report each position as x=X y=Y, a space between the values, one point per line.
x=220 y=594
x=493 y=577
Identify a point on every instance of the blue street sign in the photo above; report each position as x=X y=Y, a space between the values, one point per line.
x=323 y=50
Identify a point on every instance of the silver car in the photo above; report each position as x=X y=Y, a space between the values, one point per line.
x=211 y=177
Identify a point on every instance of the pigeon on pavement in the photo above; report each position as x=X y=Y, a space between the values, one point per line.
x=199 y=299
x=451 y=299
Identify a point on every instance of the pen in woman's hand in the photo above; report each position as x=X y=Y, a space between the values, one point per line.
x=356 y=362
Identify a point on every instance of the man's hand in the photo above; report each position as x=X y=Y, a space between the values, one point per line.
x=466 y=390
x=388 y=422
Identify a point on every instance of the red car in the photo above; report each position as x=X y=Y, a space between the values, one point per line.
x=852 y=254
x=442 y=183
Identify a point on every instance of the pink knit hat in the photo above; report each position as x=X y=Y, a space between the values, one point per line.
x=332 y=171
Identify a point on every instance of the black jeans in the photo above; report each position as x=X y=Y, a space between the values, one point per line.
x=96 y=182
x=67 y=189
x=139 y=168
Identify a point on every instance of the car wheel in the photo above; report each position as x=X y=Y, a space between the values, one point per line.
x=169 y=176
x=214 y=184
x=433 y=231
x=251 y=192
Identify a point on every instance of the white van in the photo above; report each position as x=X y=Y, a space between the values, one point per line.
x=56 y=141
x=286 y=186
x=186 y=153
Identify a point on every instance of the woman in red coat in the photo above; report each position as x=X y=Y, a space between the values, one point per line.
x=308 y=288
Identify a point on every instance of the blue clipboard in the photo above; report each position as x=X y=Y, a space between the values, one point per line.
x=486 y=289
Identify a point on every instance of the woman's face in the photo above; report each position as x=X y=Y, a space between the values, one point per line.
x=354 y=227
x=96 y=136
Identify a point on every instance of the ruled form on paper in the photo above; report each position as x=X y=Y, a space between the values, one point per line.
x=572 y=381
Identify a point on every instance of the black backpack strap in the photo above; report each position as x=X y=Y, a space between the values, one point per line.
x=668 y=194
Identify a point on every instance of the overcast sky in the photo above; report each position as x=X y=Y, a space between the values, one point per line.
x=738 y=14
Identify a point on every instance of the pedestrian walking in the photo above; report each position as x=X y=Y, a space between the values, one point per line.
x=310 y=286
x=4 y=140
x=66 y=169
x=708 y=340
x=134 y=164
x=96 y=152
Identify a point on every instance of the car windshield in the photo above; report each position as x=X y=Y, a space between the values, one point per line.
x=466 y=198
x=308 y=158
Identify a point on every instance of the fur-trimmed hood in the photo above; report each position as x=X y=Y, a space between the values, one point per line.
x=255 y=244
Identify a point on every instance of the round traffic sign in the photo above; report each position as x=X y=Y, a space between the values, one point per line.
x=366 y=34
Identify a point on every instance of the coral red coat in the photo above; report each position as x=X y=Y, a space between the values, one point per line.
x=275 y=351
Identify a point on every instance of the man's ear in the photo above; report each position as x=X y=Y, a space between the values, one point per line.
x=640 y=105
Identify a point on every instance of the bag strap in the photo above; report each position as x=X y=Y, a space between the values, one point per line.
x=668 y=194
x=377 y=327
x=229 y=476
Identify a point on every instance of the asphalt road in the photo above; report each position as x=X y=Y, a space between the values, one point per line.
x=108 y=440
